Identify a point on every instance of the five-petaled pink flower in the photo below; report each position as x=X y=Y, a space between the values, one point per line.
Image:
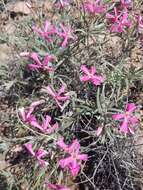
x=59 y=96
x=91 y=76
x=65 y=33
x=60 y=4
x=119 y=20
x=44 y=65
x=56 y=187
x=39 y=154
x=45 y=127
x=127 y=118
x=26 y=114
x=73 y=161
x=94 y=7
x=47 y=32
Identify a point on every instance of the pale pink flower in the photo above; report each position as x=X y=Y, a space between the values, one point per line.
x=26 y=114
x=139 y=20
x=38 y=64
x=59 y=96
x=66 y=33
x=89 y=75
x=56 y=187
x=73 y=161
x=45 y=127
x=39 y=154
x=60 y=4
x=127 y=119
x=126 y=3
x=99 y=131
x=47 y=32
x=94 y=7
x=119 y=20
x=28 y=5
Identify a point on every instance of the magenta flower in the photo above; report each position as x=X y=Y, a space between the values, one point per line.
x=127 y=118
x=26 y=114
x=45 y=127
x=91 y=76
x=39 y=154
x=37 y=63
x=65 y=33
x=119 y=20
x=94 y=7
x=56 y=187
x=47 y=32
x=60 y=4
x=73 y=161
x=59 y=96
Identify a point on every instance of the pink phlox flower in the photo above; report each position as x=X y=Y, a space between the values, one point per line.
x=139 y=20
x=126 y=3
x=60 y=4
x=73 y=161
x=47 y=32
x=119 y=20
x=59 y=96
x=38 y=64
x=39 y=154
x=45 y=127
x=127 y=119
x=94 y=7
x=66 y=33
x=26 y=114
x=91 y=76
x=57 y=187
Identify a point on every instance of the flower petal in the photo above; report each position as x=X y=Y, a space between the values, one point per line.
x=40 y=153
x=131 y=107
x=85 y=78
x=65 y=162
x=29 y=148
x=74 y=147
x=118 y=116
x=36 y=124
x=62 y=145
x=124 y=127
x=82 y=157
x=85 y=69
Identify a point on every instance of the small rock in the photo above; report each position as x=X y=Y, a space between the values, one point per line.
x=115 y=46
x=10 y=28
x=5 y=54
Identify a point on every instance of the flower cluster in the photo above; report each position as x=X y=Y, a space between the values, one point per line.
x=72 y=162
x=94 y=7
x=89 y=75
x=119 y=20
x=46 y=126
x=39 y=154
x=28 y=118
x=38 y=64
x=59 y=96
x=49 y=31
x=60 y=4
